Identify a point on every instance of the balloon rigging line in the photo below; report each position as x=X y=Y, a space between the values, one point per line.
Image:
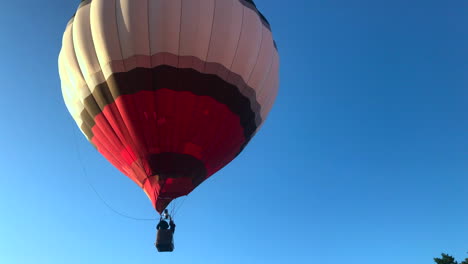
x=85 y=175
x=176 y=209
x=173 y=205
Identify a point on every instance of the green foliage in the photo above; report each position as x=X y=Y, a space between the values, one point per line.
x=447 y=259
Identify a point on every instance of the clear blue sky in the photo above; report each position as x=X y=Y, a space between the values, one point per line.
x=362 y=160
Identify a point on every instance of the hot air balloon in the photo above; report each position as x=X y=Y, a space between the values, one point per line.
x=168 y=91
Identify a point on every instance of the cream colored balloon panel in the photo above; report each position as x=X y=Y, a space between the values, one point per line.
x=195 y=35
x=106 y=37
x=267 y=92
x=84 y=48
x=227 y=26
x=164 y=21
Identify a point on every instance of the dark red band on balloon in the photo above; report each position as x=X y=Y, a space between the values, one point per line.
x=172 y=78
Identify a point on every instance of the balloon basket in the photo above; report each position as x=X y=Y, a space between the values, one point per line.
x=164 y=241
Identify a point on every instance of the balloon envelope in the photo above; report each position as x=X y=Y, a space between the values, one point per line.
x=169 y=91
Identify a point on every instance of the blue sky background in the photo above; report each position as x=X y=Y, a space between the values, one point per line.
x=362 y=160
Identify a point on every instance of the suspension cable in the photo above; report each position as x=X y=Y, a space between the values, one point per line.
x=88 y=181
x=176 y=210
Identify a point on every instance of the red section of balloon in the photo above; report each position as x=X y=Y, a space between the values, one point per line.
x=136 y=126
